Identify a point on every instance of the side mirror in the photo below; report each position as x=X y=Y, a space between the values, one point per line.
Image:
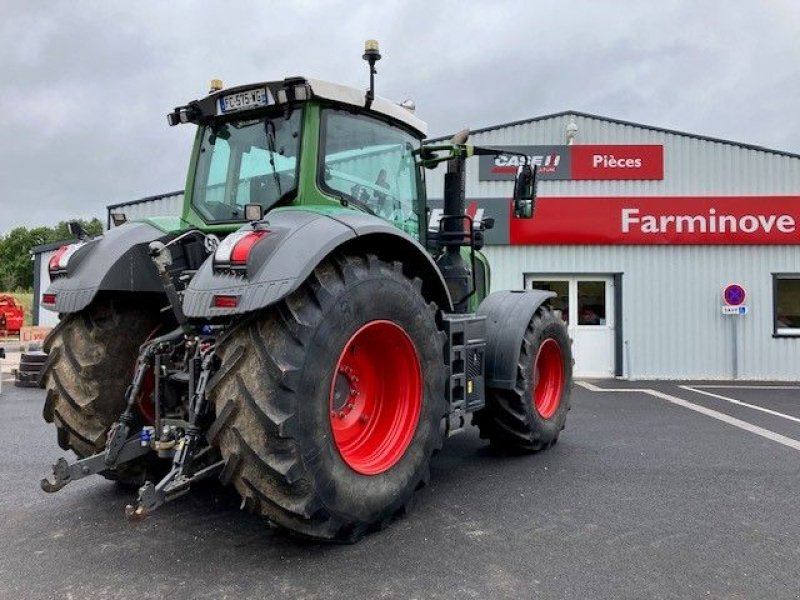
x=525 y=192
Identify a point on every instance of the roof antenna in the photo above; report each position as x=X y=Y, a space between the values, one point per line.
x=371 y=55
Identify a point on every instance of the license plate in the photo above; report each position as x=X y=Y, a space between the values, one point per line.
x=243 y=100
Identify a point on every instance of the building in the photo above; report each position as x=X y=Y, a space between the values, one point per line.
x=639 y=230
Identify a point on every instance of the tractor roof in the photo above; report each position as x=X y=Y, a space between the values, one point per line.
x=294 y=88
x=355 y=97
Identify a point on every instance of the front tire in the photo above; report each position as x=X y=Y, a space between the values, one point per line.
x=329 y=403
x=530 y=417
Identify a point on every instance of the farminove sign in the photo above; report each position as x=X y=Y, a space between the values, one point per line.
x=702 y=220
x=649 y=220
x=633 y=221
x=577 y=162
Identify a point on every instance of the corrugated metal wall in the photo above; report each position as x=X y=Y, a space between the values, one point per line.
x=692 y=166
x=671 y=299
x=157 y=206
x=671 y=295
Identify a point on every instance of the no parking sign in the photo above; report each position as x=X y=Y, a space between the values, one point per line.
x=734 y=296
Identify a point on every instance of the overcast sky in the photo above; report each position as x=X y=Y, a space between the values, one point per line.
x=87 y=85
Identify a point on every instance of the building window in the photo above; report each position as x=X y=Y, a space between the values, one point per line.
x=786 y=304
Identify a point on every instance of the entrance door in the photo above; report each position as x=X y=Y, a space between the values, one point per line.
x=586 y=304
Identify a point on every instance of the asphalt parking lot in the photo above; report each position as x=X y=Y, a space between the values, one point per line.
x=673 y=492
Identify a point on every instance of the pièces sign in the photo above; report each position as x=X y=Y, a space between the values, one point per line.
x=578 y=162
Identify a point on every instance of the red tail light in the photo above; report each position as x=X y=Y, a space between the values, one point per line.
x=56 y=258
x=235 y=249
x=60 y=259
x=48 y=298
x=242 y=248
x=225 y=301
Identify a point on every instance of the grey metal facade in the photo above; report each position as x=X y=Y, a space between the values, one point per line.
x=693 y=165
x=170 y=204
x=671 y=325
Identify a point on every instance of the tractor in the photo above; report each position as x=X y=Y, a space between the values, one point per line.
x=301 y=331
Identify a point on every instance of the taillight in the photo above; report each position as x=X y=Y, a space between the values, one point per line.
x=225 y=301
x=56 y=258
x=60 y=259
x=235 y=249
x=48 y=298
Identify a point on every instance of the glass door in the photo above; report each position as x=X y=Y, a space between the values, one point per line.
x=586 y=305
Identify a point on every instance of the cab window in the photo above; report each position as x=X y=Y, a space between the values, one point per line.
x=246 y=162
x=371 y=164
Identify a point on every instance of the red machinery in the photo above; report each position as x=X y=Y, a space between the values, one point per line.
x=12 y=315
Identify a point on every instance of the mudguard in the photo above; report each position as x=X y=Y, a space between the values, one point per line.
x=297 y=242
x=507 y=316
x=117 y=261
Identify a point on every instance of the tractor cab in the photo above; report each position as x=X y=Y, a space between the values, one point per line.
x=299 y=143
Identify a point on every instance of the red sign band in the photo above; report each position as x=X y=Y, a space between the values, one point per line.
x=724 y=220
x=617 y=162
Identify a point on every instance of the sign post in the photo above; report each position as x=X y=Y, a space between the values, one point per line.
x=734 y=295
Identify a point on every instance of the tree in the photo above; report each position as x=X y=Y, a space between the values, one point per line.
x=16 y=265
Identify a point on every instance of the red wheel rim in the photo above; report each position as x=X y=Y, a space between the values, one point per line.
x=548 y=374
x=375 y=397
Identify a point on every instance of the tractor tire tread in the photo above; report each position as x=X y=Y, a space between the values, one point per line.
x=90 y=356
x=260 y=438
x=508 y=420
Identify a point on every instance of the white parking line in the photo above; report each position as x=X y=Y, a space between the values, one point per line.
x=774 y=413
x=765 y=433
x=747 y=387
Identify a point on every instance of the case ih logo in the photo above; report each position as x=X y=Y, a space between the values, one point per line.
x=578 y=162
x=552 y=162
x=545 y=163
x=473 y=210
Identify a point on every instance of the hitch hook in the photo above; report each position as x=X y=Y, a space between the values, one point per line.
x=61 y=477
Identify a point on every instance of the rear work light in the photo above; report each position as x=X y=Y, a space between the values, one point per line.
x=59 y=261
x=234 y=250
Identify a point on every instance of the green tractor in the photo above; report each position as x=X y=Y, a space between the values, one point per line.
x=301 y=331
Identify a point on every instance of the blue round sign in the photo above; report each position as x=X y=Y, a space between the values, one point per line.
x=734 y=295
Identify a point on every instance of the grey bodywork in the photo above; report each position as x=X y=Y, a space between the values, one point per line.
x=298 y=241
x=118 y=261
x=507 y=316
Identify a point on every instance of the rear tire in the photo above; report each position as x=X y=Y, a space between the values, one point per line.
x=300 y=453
x=90 y=362
x=530 y=417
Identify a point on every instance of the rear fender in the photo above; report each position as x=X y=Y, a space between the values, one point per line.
x=507 y=316
x=298 y=241
x=117 y=261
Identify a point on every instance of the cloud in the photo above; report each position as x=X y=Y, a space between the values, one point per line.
x=87 y=85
